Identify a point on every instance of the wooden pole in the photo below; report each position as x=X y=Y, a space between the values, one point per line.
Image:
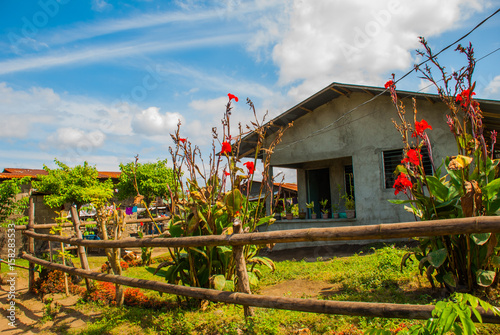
x=51 y=252
x=81 y=249
x=382 y=310
x=66 y=288
x=241 y=268
x=479 y=224
x=87 y=223
x=31 y=242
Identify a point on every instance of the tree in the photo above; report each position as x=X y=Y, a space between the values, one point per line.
x=152 y=180
x=9 y=205
x=78 y=185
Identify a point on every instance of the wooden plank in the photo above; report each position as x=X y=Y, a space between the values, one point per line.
x=382 y=310
x=81 y=249
x=31 y=242
x=480 y=224
x=241 y=268
x=88 y=223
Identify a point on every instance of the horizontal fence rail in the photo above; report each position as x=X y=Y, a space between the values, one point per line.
x=382 y=310
x=89 y=223
x=481 y=224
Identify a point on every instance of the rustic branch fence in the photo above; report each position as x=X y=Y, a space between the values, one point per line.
x=244 y=297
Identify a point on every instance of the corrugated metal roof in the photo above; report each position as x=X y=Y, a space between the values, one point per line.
x=490 y=108
x=9 y=173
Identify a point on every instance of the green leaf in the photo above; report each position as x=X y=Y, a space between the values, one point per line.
x=439 y=190
x=485 y=278
x=252 y=278
x=495 y=261
x=399 y=202
x=175 y=230
x=219 y=282
x=437 y=258
x=449 y=279
x=492 y=189
x=480 y=238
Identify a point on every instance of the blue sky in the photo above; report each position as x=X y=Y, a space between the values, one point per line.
x=101 y=81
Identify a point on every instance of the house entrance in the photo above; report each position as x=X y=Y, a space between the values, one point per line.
x=318 y=188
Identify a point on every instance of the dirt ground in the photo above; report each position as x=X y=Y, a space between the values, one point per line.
x=30 y=309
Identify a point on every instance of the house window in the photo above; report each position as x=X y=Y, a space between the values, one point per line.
x=392 y=158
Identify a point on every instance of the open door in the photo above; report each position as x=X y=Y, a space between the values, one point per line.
x=318 y=188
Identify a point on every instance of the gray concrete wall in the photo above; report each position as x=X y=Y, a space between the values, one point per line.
x=361 y=136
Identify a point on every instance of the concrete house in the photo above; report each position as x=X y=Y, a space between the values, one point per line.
x=343 y=138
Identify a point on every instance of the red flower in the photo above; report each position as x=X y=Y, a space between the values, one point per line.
x=142 y=224
x=412 y=156
x=226 y=173
x=464 y=98
x=232 y=96
x=390 y=83
x=226 y=148
x=402 y=183
x=420 y=127
x=182 y=140
x=250 y=167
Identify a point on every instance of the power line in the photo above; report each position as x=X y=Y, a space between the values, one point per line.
x=321 y=130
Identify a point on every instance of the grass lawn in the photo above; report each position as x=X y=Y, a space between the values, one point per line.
x=371 y=276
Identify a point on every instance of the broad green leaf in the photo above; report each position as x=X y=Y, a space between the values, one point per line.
x=234 y=200
x=399 y=202
x=492 y=189
x=480 y=238
x=437 y=258
x=219 y=282
x=253 y=279
x=175 y=230
x=449 y=279
x=485 y=278
x=266 y=219
x=439 y=190
x=495 y=261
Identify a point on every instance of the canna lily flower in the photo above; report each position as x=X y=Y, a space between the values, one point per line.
x=226 y=173
x=250 y=167
x=182 y=140
x=412 y=156
x=226 y=148
x=390 y=83
x=402 y=183
x=232 y=96
x=420 y=127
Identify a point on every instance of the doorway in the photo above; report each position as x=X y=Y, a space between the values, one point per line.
x=318 y=188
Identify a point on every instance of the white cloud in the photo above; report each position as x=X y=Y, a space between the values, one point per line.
x=76 y=138
x=150 y=122
x=358 y=41
x=493 y=89
x=101 y=5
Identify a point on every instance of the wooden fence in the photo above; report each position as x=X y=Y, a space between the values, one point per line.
x=237 y=240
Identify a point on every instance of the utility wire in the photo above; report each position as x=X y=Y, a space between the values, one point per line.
x=321 y=130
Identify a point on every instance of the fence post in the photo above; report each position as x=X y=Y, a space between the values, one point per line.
x=241 y=268
x=31 y=242
x=81 y=249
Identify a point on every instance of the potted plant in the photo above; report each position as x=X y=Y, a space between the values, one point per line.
x=335 y=210
x=324 y=208
x=311 y=207
x=302 y=214
x=350 y=205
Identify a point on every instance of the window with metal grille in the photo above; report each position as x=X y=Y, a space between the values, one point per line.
x=392 y=158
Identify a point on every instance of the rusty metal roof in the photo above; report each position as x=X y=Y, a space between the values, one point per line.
x=9 y=173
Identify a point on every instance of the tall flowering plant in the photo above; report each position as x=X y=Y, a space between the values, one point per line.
x=464 y=185
x=207 y=198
